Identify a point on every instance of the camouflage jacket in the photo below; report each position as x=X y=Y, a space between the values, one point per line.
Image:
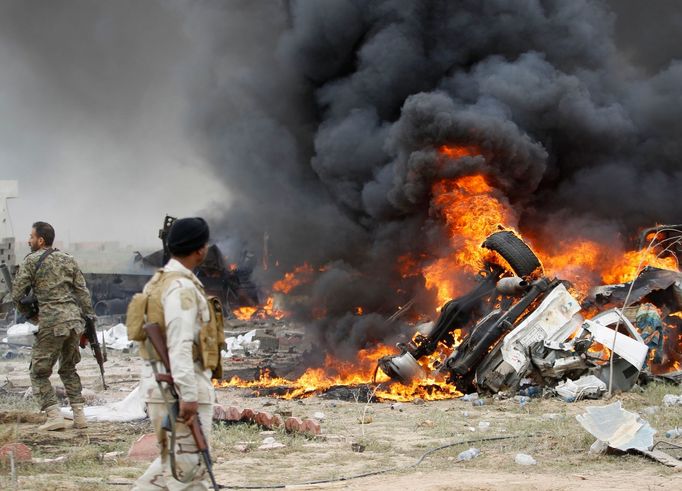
x=60 y=289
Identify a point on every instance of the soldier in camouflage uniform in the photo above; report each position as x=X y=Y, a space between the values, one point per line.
x=63 y=300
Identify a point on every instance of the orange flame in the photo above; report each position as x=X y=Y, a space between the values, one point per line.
x=459 y=151
x=471 y=210
x=301 y=274
x=266 y=310
x=586 y=263
x=244 y=313
x=344 y=373
x=625 y=267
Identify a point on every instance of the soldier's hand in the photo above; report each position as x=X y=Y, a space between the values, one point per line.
x=188 y=411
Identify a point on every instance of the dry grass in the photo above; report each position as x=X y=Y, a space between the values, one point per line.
x=546 y=429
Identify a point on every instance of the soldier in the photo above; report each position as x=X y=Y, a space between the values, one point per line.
x=63 y=300
x=182 y=311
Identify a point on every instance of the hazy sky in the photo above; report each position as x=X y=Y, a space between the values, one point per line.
x=93 y=100
x=96 y=97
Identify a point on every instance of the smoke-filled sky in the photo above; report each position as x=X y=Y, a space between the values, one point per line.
x=317 y=122
x=94 y=102
x=102 y=101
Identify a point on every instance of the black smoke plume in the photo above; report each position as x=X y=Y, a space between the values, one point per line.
x=326 y=132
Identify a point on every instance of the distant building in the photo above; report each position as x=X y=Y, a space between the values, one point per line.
x=8 y=190
x=7 y=254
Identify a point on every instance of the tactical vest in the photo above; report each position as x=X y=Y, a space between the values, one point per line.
x=146 y=308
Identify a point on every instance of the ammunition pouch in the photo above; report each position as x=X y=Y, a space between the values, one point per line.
x=146 y=308
x=212 y=338
x=135 y=317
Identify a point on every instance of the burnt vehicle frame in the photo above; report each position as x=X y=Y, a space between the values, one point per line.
x=515 y=323
x=111 y=292
x=500 y=298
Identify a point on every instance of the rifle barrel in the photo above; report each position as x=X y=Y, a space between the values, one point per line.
x=6 y=276
x=159 y=343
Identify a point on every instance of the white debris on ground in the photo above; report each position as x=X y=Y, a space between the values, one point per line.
x=116 y=338
x=270 y=443
x=617 y=427
x=469 y=454
x=672 y=400
x=586 y=387
x=132 y=408
x=524 y=459
x=21 y=334
x=243 y=343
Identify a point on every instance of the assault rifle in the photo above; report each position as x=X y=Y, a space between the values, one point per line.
x=90 y=337
x=158 y=341
x=163 y=235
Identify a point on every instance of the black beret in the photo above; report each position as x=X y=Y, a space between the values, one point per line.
x=187 y=235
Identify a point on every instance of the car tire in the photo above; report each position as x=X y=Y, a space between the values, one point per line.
x=515 y=251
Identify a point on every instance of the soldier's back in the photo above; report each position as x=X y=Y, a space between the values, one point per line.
x=54 y=288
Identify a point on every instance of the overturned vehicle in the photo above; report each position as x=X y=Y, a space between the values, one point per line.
x=519 y=329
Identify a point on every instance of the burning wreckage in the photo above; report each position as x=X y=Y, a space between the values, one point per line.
x=519 y=330
x=232 y=283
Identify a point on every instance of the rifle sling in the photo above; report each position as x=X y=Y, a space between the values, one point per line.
x=159 y=377
x=42 y=258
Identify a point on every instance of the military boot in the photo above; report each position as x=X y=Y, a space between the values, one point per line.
x=78 y=416
x=55 y=420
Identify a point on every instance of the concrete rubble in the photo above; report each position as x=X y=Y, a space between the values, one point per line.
x=266 y=420
x=20 y=452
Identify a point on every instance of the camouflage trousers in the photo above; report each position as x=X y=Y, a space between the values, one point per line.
x=188 y=462
x=47 y=350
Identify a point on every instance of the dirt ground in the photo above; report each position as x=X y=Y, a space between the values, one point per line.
x=394 y=436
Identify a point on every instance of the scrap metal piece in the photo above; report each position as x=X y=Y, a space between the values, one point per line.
x=558 y=360
x=619 y=428
x=649 y=280
x=554 y=320
x=662 y=458
x=586 y=387
x=613 y=316
x=634 y=351
x=512 y=285
x=624 y=378
x=403 y=367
